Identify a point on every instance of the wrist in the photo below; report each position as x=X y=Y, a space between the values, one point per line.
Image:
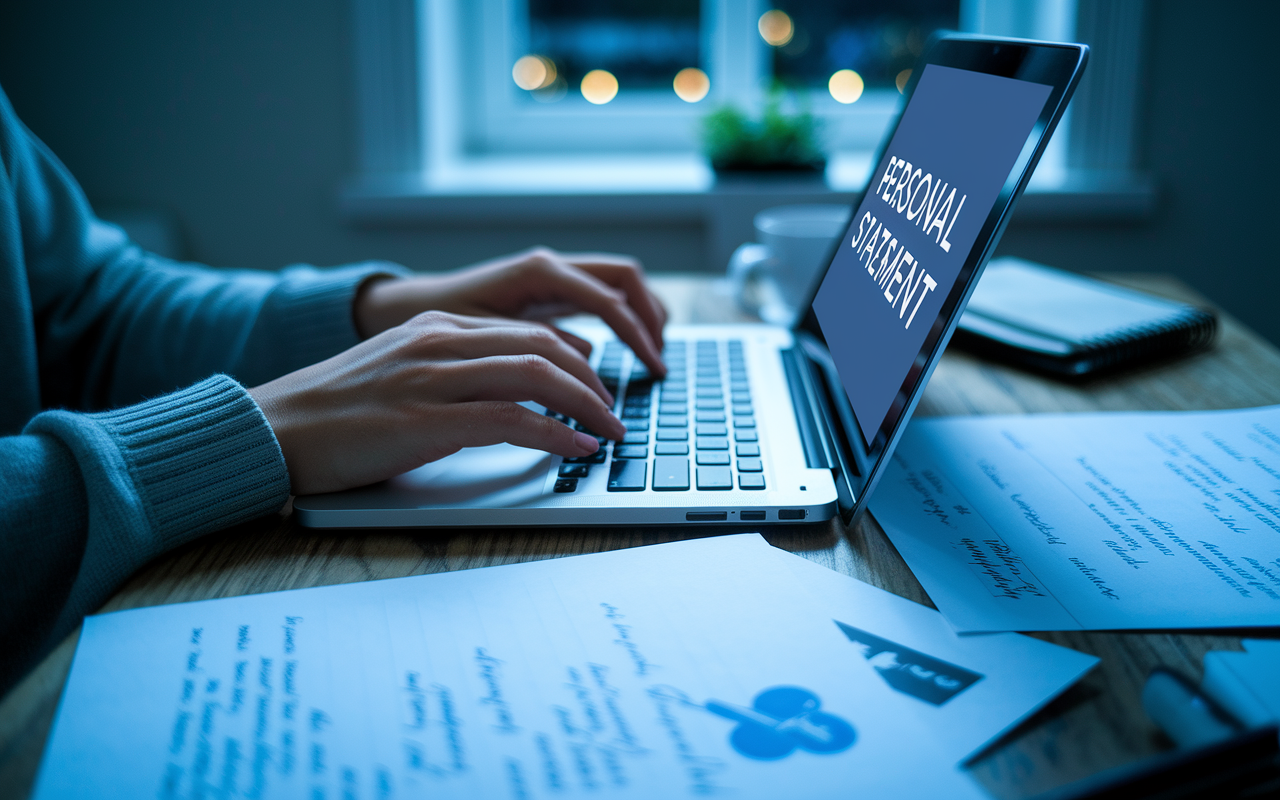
x=371 y=308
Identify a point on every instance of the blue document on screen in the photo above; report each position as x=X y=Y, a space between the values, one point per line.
x=1091 y=521
x=680 y=670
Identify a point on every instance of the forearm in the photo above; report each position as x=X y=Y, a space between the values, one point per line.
x=88 y=498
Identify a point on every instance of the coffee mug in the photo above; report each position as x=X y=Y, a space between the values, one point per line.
x=774 y=275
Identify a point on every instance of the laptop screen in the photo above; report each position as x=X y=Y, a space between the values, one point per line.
x=927 y=201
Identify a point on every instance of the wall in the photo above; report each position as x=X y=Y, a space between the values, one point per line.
x=236 y=118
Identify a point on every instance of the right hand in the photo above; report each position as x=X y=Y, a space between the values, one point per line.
x=426 y=389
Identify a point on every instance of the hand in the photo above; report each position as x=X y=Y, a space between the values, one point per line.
x=536 y=284
x=425 y=389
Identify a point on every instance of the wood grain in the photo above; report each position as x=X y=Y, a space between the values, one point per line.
x=1099 y=723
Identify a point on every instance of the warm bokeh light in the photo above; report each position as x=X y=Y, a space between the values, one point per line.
x=902 y=79
x=599 y=86
x=846 y=86
x=776 y=27
x=691 y=84
x=533 y=72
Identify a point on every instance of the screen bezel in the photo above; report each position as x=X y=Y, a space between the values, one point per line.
x=1057 y=65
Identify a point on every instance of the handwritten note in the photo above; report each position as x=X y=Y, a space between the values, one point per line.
x=680 y=670
x=1091 y=521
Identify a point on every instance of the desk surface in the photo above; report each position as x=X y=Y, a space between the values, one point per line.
x=1099 y=723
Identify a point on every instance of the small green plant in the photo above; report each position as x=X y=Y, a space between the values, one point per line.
x=776 y=142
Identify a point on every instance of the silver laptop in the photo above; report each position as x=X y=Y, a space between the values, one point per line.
x=763 y=424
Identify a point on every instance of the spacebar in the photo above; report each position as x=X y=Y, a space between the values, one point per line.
x=626 y=475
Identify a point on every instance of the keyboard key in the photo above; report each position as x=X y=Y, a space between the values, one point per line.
x=744 y=422
x=675 y=397
x=741 y=397
x=712 y=429
x=748 y=451
x=573 y=471
x=750 y=465
x=565 y=485
x=666 y=409
x=710 y=416
x=710 y=404
x=673 y=435
x=670 y=474
x=595 y=458
x=637 y=424
x=739 y=386
x=637 y=437
x=627 y=475
x=712 y=443
x=713 y=458
x=710 y=391
x=671 y=449
x=742 y=435
x=673 y=421
x=630 y=451
x=751 y=480
x=635 y=412
x=714 y=478
x=742 y=410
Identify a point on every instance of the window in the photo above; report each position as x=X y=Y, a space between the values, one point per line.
x=547 y=76
x=442 y=108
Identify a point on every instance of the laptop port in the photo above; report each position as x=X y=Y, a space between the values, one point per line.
x=751 y=516
x=707 y=516
x=791 y=513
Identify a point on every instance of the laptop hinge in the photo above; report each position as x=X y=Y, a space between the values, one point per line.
x=813 y=437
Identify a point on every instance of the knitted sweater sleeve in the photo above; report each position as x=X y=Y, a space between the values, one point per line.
x=130 y=430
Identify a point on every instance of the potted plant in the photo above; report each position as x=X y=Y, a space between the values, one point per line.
x=778 y=143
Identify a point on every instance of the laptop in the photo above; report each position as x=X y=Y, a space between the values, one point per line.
x=764 y=424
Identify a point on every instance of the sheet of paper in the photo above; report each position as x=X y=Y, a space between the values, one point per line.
x=1091 y=521
x=972 y=688
x=678 y=670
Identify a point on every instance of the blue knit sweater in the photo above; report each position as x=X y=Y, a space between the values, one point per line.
x=125 y=428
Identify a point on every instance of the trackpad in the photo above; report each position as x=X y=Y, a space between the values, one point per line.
x=495 y=476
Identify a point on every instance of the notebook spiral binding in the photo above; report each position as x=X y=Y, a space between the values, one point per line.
x=1192 y=330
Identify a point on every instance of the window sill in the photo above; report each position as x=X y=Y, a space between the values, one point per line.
x=663 y=187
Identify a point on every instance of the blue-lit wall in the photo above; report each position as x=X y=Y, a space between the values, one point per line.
x=237 y=118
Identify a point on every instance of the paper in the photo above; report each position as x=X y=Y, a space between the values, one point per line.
x=1091 y=521
x=971 y=688
x=679 y=670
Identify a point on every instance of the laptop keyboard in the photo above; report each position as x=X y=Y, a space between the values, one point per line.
x=693 y=431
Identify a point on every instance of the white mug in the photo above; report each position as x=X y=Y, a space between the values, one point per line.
x=774 y=276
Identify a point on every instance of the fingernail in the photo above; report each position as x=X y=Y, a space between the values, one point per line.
x=588 y=444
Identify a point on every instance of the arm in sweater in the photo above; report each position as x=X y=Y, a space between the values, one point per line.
x=89 y=322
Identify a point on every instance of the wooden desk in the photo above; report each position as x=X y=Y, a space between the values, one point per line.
x=1099 y=723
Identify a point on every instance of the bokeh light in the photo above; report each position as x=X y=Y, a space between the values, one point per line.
x=533 y=72
x=599 y=86
x=691 y=84
x=776 y=27
x=902 y=79
x=846 y=86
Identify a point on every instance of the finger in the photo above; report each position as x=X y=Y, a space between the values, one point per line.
x=577 y=342
x=627 y=275
x=595 y=296
x=518 y=340
x=486 y=422
x=522 y=378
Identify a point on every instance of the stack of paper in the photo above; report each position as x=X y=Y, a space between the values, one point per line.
x=713 y=666
x=1246 y=684
x=1091 y=521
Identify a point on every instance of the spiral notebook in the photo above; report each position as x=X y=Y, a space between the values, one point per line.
x=1065 y=324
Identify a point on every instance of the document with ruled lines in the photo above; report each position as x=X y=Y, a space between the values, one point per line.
x=1091 y=521
x=690 y=669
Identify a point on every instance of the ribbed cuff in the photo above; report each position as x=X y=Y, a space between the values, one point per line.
x=202 y=458
x=312 y=314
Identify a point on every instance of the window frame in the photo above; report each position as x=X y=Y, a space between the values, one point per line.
x=411 y=143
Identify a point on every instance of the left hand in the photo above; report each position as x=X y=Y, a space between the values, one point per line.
x=536 y=284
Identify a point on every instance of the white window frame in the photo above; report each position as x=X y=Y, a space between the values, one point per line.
x=413 y=138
